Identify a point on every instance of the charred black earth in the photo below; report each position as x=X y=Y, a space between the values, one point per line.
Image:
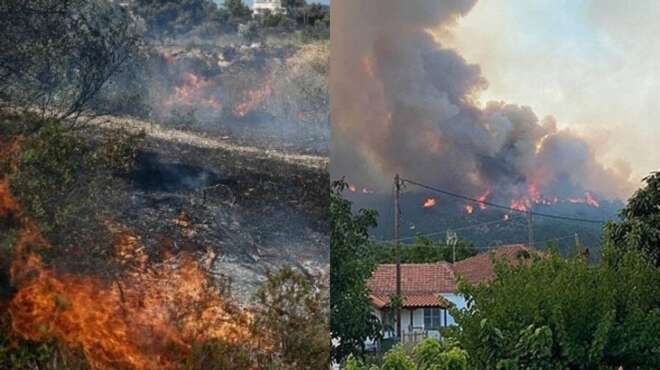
x=249 y=210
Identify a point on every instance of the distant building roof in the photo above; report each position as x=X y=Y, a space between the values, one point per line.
x=480 y=269
x=423 y=283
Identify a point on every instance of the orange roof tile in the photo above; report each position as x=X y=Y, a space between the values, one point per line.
x=480 y=268
x=422 y=283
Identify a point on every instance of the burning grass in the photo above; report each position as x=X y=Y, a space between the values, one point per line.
x=147 y=305
x=149 y=317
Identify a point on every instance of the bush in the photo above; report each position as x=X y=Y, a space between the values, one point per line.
x=219 y=355
x=559 y=313
x=291 y=316
x=397 y=359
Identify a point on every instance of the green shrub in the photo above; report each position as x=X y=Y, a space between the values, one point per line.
x=398 y=359
x=219 y=355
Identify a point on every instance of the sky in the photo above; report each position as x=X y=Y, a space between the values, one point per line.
x=592 y=64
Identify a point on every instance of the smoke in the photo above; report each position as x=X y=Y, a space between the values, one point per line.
x=402 y=103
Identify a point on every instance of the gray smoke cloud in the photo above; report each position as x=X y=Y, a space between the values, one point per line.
x=402 y=103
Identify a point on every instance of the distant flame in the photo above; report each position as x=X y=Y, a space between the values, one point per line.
x=194 y=92
x=253 y=99
x=587 y=199
x=430 y=203
x=469 y=209
x=482 y=198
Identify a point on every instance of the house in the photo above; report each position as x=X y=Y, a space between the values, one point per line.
x=262 y=6
x=429 y=290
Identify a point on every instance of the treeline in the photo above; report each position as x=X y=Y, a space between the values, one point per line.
x=169 y=18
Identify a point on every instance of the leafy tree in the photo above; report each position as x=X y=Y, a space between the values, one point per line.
x=57 y=55
x=292 y=4
x=237 y=9
x=230 y=14
x=172 y=17
x=557 y=313
x=639 y=228
x=291 y=315
x=352 y=320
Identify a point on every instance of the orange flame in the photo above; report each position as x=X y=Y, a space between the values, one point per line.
x=587 y=199
x=146 y=318
x=482 y=198
x=469 y=209
x=253 y=99
x=430 y=203
x=193 y=92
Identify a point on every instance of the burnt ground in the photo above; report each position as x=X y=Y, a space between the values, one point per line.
x=254 y=210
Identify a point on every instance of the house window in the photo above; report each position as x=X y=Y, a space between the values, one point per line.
x=432 y=318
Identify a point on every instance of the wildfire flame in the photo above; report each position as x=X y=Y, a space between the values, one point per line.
x=193 y=92
x=587 y=199
x=146 y=318
x=430 y=203
x=482 y=198
x=253 y=99
x=469 y=209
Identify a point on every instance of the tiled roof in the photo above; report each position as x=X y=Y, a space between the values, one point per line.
x=422 y=283
x=480 y=269
x=423 y=300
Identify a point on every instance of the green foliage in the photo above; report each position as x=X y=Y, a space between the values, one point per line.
x=353 y=363
x=172 y=17
x=274 y=20
x=431 y=354
x=423 y=250
x=57 y=55
x=397 y=359
x=237 y=9
x=639 y=228
x=352 y=320
x=291 y=314
x=18 y=354
x=558 y=313
x=55 y=165
x=219 y=355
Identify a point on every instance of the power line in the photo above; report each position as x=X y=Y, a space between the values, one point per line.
x=495 y=205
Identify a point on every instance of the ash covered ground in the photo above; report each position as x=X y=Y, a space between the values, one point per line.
x=251 y=210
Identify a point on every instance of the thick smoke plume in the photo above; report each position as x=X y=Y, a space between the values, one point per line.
x=400 y=102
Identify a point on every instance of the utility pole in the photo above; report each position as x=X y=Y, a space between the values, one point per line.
x=452 y=239
x=530 y=228
x=397 y=226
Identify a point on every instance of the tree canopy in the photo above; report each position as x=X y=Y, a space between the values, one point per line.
x=352 y=320
x=560 y=313
x=639 y=228
x=61 y=54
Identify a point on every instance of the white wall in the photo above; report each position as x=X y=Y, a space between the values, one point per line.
x=458 y=301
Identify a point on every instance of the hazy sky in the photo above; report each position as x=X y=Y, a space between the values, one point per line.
x=592 y=64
